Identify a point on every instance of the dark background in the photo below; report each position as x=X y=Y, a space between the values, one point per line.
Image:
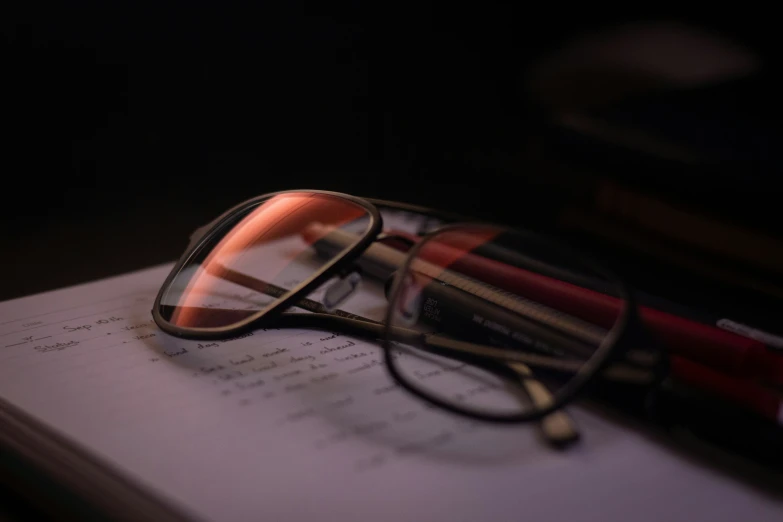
x=129 y=125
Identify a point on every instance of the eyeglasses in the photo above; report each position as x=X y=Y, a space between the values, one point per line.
x=490 y=323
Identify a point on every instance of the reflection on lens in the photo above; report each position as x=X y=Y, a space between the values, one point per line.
x=528 y=315
x=257 y=257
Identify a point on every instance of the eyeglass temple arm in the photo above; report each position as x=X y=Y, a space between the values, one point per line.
x=446 y=346
x=557 y=428
x=272 y=290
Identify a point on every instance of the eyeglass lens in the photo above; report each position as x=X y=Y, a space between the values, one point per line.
x=542 y=315
x=257 y=257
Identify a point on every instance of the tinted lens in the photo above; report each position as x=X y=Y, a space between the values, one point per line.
x=259 y=256
x=536 y=318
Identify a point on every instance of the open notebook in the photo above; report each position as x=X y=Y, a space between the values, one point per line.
x=301 y=425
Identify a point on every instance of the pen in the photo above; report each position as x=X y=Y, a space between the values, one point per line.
x=497 y=253
x=454 y=312
x=688 y=413
x=719 y=348
x=676 y=330
x=763 y=401
x=510 y=257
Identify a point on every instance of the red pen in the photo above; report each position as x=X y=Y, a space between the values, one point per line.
x=382 y=259
x=587 y=304
x=725 y=351
x=744 y=392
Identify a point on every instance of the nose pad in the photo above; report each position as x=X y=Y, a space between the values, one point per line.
x=407 y=308
x=340 y=290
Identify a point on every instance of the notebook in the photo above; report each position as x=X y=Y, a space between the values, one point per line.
x=300 y=425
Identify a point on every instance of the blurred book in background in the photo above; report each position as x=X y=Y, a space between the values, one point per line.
x=659 y=146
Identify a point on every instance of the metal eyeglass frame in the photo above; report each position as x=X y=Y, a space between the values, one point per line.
x=610 y=364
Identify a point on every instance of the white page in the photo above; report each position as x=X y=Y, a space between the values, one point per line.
x=325 y=436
